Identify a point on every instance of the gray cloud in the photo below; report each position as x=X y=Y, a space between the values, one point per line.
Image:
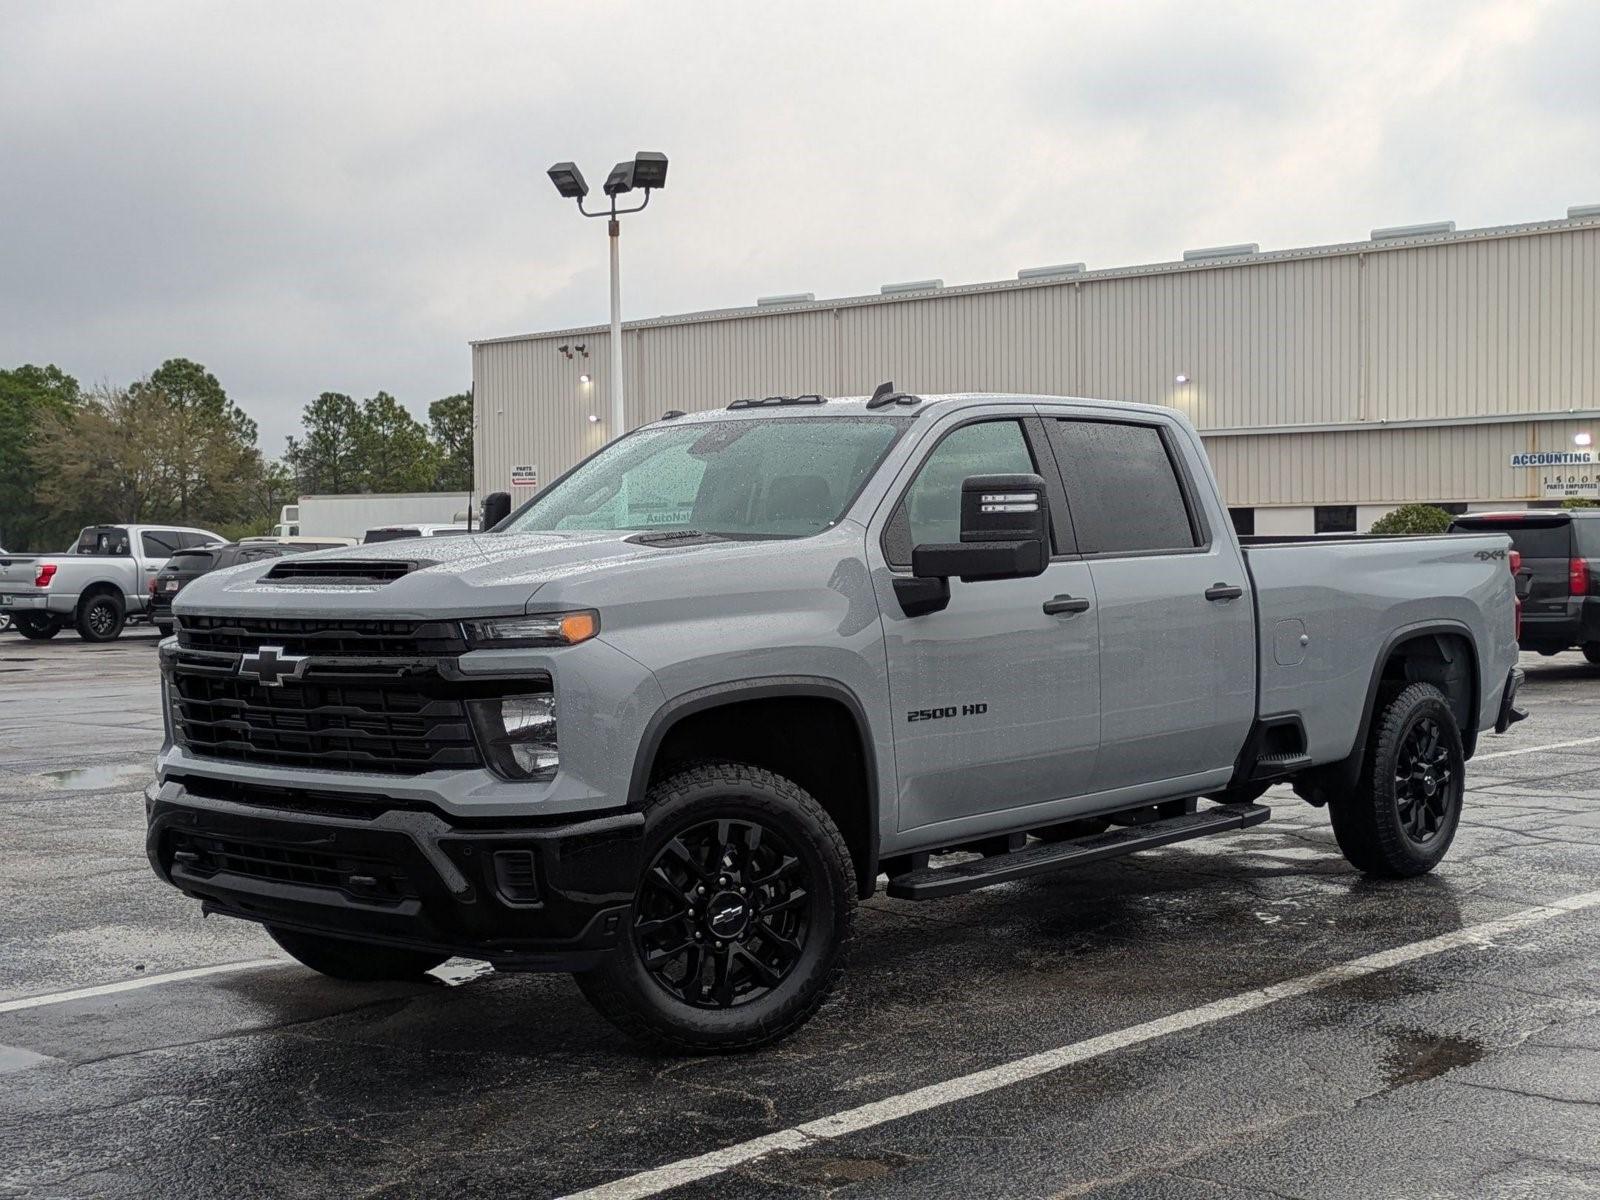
x=313 y=197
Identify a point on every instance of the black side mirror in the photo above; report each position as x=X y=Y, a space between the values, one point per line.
x=496 y=508
x=1005 y=532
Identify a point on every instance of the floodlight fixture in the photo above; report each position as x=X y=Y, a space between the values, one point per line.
x=649 y=169
x=568 y=180
x=620 y=180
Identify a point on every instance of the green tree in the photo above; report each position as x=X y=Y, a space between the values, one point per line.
x=189 y=386
x=1414 y=518
x=450 y=424
x=324 y=462
x=392 y=448
x=1580 y=502
x=30 y=397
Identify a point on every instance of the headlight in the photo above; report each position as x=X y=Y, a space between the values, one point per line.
x=518 y=734
x=541 y=629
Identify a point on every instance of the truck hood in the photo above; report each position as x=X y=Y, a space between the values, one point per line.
x=468 y=575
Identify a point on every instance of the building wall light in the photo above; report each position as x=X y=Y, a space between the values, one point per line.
x=1582 y=439
x=584 y=378
x=1180 y=379
x=593 y=420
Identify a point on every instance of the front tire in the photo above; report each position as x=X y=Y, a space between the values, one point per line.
x=741 y=917
x=1403 y=815
x=341 y=958
x=36 y=628
x=1591 y=651
x=101 y=617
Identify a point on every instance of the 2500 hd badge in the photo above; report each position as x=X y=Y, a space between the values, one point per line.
x=953 y=710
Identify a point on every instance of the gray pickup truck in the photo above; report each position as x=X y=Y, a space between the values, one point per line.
x=95 y=586
x=669 y=721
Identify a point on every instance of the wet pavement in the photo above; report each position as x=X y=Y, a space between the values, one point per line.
x=1472 y=1071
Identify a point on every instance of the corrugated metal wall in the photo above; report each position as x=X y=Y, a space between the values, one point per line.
x=1479 y=324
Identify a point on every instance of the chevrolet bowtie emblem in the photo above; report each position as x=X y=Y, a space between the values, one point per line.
x=272 y=667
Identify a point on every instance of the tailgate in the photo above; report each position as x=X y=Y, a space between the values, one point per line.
x=17 y=572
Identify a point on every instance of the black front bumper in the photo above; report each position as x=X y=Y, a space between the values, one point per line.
x=544 y=897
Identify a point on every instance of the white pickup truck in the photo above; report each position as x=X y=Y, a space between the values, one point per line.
x=97 y=585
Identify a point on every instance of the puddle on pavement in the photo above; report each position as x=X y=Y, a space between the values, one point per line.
x=1415 y=1057
x=89 y=779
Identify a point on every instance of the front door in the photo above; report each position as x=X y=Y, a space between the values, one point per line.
x=996 y=700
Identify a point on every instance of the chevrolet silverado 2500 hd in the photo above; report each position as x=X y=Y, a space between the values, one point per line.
x=668 y=721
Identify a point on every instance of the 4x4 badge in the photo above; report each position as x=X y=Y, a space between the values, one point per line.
x=272 y=666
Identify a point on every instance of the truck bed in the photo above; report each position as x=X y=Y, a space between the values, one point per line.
x=1328 y=609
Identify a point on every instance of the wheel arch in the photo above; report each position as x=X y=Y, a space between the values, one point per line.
x=1442 y=653
x=681 y=726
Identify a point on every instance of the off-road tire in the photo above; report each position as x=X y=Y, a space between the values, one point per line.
x=631 y=998
x=341 y=958
x=1591 y=651
x=1367 y=822
x=100 y=617
x=36 y=628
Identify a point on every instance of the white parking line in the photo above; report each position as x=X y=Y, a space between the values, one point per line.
x=1535 y=749
x=134 y=985
x=853 y=1120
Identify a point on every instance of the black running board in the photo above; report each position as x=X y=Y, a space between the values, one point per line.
x=931 y=883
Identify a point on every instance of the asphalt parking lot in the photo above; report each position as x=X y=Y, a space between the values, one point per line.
x=1099 y=1034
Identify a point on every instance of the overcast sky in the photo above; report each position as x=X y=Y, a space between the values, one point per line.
x=337 y=197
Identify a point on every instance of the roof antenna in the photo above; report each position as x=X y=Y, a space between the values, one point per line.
x=883 y=389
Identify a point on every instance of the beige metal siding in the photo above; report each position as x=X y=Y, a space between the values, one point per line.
x=1386 y=466
x=1477 y=324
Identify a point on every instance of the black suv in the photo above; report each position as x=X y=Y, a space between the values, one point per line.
x=1560 y=551
x=188 y=565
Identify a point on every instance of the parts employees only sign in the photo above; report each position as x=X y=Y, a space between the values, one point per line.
x=525 y=476
x=1564 y=474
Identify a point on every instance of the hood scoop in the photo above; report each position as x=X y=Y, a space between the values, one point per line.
x=340 y=573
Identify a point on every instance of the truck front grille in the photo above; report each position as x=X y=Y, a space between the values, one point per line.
x=335 y=638
x=391 y=727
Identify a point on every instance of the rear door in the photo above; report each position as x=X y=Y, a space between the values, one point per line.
x=1177 y=625
x=156 y=546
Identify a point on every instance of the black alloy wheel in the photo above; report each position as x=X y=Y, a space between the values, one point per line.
x=1427 y=786
x=723 y=913
x=101 y=617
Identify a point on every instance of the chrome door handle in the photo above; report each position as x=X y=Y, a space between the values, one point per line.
x=1224 y=591
x=1065 y=605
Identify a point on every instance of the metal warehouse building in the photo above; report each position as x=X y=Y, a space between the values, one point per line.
x=1330 y=383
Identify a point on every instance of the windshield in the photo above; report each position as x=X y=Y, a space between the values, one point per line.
x=764 y=478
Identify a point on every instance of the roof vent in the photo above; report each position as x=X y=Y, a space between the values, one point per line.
x=916 y=285
x=1580 y=211
x=1396 y=232
x=1050 y=272
x=1239 y=251
x=791 y=298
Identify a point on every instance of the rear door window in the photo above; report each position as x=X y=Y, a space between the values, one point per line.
x=159 y=543
x=103 y=543
x=1123 y=488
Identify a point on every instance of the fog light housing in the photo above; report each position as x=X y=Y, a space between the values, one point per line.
x=518 y=735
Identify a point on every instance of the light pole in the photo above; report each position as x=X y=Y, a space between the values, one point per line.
x=647 y=170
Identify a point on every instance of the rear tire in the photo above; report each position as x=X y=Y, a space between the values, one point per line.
x=744 y=908
x=1404 y=812
x=36 y=628
x=101 y=617
x=1591 y=651
x=340 y=958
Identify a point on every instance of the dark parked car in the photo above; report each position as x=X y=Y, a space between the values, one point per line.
x=188 y=565
x=1560 y=551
